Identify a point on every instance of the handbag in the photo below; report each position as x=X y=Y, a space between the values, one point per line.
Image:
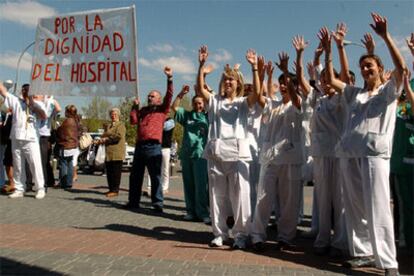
x=85 y=141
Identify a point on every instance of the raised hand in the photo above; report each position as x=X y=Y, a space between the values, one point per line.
x=136 y=101
x=184 y=90
x=269 y=68
x=325 y=39
x=283 y=62
x=168 y=71
x=202 y=54
x=340 y=33
x=208 y=69
x=251 y=56
x=410 y=43
x=299 y=43
x=380 y=24
x=369 y=43
x=386 y=75
x=319 y=50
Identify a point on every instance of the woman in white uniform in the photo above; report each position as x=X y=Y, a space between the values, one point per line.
x=227 y=150
x=281 y=158
x=365 y=150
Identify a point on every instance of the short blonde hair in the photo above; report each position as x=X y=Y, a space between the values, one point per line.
x=116 y=110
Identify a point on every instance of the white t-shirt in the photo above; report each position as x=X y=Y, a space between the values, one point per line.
x=46 y=125
x=370 y=121
x=282 y=135
x=23 y=128
x=327 y=125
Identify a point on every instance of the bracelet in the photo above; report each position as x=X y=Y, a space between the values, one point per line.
x=328 y=60
x=255 y=69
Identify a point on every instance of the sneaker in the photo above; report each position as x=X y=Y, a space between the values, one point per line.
x=367 y=261
x=130 y=206
x=391 y=272
x=216 y=242
x=16 y=194
x=239 y=243
x=40 y=194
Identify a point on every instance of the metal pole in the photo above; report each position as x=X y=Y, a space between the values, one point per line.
x=18 y=64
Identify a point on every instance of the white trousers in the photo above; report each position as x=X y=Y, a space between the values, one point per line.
x=165 y=170
x=368 y=214
x=30 y=152
x=254 y=173
x=229 y=190
x=328 y=188
x=283 y=181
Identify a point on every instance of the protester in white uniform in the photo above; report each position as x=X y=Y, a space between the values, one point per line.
x=45 y=126
x=25 y=140
x=365 y=150
x=326 y=127
x=227 y=150
x=281 y=158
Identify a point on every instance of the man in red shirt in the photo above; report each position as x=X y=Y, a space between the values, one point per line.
x=150 y=120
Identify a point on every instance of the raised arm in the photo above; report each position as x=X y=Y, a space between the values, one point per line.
x=271 y=87
x=170 y=89
x=339 y=36
x=251 y=57
x=201 y=83
x=177 y=101
x=299 y=44
x=263 y=69
x=381 y=28
x=134 y=113
x=283 y=66
x=369 y=43
x=325 y=38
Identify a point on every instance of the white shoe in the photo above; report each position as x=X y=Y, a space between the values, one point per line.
x=40 y=194
x=216 y=242
x=16 y=194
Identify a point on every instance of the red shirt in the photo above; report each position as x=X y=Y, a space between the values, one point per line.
x=150 y=119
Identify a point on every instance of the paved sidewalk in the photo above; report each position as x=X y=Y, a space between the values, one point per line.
x=80 y=232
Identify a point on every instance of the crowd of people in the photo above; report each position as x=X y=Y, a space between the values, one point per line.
x=246 y=154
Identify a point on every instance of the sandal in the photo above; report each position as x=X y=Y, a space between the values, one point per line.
x=7 y=189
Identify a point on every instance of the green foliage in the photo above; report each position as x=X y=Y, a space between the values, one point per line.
x=97 y=109
x=125 y=105
x=93 y=124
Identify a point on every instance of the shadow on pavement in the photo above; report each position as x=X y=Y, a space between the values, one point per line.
x=160 y=233
x=145 y=208
x=12 y=267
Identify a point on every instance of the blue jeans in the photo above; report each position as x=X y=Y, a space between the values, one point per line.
x=146 y=155
x=65 y=171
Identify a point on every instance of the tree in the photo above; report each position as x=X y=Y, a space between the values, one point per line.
x=125 y=105
x=97 y=109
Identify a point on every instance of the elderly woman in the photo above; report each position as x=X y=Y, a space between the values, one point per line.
x=68 y=140
x=114 y=140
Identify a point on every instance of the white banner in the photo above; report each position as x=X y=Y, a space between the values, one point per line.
x=86 y=54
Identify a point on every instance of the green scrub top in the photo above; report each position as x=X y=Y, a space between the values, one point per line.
x=195 y=132
x=403 y=145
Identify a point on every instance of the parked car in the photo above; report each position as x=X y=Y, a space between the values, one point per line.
x=129 y=157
